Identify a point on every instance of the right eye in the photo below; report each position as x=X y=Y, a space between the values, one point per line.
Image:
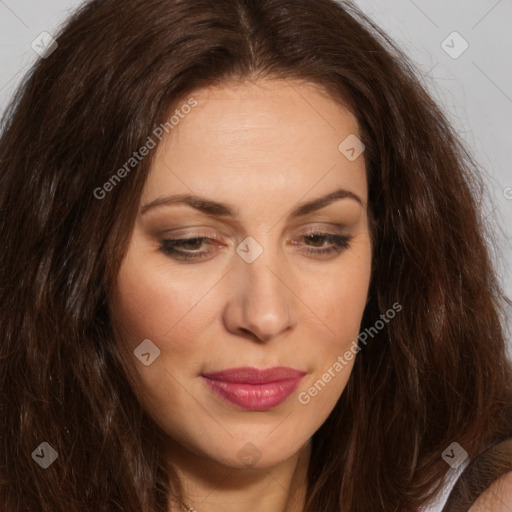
x=174 y=247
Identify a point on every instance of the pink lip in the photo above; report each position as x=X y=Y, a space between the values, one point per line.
x=253 y=389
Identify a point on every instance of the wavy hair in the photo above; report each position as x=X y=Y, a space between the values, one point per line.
x=436 y=374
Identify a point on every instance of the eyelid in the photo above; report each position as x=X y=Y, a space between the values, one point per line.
x=335 y=230
x=340 y=228
x=209 y=232
x=190 y=233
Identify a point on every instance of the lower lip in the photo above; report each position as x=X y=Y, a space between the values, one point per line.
x=254 y=397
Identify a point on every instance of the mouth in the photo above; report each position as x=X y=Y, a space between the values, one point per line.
x=252 y=389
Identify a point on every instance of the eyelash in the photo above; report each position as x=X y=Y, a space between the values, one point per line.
x=340 y=243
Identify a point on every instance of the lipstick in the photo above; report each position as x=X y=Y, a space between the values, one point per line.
x=252 y=389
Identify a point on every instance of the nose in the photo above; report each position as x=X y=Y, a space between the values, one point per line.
x=261 y=303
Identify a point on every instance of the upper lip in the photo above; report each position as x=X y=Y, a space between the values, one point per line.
x=249 y=375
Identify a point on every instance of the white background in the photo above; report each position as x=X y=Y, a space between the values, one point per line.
x=475 y=89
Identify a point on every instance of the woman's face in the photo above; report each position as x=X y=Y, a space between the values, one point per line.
x=274 y=283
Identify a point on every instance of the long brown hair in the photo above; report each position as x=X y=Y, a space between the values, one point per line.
x=436 y=374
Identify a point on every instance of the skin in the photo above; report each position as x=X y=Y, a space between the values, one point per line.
x=262 y=147
x=497 y=498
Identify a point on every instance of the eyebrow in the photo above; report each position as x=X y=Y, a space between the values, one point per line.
x=209 y=207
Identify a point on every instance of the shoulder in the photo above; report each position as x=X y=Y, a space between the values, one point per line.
x=497 y=498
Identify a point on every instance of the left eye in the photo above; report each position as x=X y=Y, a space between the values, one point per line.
x=337 y=243
x=188 y=248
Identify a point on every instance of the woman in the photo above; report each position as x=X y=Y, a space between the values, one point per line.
x=243 y=269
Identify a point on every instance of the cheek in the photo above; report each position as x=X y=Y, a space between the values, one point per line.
x=341 y=301
x=152 y=304
x=344 y=298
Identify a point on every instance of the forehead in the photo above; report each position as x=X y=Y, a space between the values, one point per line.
x=269 y=135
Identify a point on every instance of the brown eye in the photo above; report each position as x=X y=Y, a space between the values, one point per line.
x=188 y=248
x=337 y=243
